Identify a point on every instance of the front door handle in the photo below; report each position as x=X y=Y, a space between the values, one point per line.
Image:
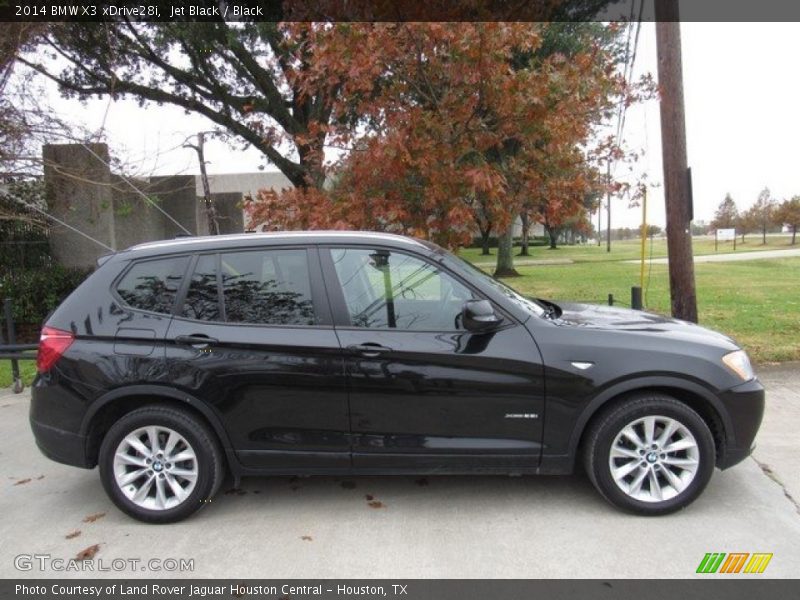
x=197 y=340
x=370 y=349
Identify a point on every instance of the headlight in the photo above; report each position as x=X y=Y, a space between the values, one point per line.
x=739 y=363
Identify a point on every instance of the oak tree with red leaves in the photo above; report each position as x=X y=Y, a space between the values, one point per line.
x=449 y=128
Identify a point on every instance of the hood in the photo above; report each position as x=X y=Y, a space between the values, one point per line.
x=612 y=318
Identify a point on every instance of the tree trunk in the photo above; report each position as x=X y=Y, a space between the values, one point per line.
x=764 y=236
x=505 y=254
x=310 y=156
x=553 y=235
x=526 y=225
x=485 y=235
x=794 y=234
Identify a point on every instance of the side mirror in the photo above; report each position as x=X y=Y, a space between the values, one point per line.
x=479 y=316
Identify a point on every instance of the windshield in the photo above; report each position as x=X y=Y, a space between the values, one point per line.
x=526 y=303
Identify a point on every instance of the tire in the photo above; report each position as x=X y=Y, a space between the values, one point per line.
x=649 y=480
x=162 y=489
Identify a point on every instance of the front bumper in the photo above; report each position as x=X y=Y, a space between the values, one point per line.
x=745 y=407
x=61 y=446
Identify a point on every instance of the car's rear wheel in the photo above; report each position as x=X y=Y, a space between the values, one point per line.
x=160 y=464
x=650 y=454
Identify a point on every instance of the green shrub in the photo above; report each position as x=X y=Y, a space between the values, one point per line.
x=35 y=292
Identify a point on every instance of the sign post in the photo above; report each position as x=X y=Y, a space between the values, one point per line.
x=725 y=235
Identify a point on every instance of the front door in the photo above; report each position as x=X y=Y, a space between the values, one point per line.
x=425 y=394
x=254 y=338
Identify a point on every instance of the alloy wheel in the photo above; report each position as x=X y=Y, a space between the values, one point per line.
x=654 y=458
x=155 y=467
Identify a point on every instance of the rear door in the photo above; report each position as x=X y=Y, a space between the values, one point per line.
x=254 y=338
x=425 y=394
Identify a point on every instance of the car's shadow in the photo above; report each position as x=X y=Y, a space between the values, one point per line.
x=401 y=492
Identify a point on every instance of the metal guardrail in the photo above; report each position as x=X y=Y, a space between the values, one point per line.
x=13 y=351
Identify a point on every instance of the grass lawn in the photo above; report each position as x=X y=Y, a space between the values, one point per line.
x=756 y=302
x=27 y=370
x=631 y=249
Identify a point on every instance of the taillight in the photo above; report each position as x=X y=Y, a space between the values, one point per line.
x=52 y=344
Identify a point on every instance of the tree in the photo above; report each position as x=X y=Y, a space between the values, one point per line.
x=747 y=222
x=700 y=227
x=727 y=214
x=465 y=119
x=763 y=212
x=245 y=77
x=653 y=230
x=788 y=213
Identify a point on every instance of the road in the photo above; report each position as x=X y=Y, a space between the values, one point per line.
x=450 y=527
x=732 y=256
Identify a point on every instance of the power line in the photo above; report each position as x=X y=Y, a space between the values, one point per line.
x=67 y=225
x=630 y=61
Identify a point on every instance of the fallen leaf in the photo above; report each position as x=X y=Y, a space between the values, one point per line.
x=40 y=477
x=369 y=497
x=94 y=517
x=88 y=553
x=306 y=538
x=376 y=504
x=348 y=485
x=23 y=481
x=73 y=534
x=421 y=481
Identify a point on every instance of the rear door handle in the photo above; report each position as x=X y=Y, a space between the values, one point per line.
x=369 y=349
x=197 y=340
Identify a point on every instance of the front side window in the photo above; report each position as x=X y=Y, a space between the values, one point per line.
x=270 y=287
x=153 y=285
x=385 y=289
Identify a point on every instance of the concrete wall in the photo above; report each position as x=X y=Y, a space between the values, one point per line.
x=79 y=192
x=82 y=191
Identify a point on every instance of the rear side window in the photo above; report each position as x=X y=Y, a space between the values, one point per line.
x=202 y=299
x=265 y=287
x=153 y=285
x=270 y=287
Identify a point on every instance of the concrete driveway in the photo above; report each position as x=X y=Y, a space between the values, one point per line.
x=450 y=527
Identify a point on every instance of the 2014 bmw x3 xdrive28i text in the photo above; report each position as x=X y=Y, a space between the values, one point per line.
x=343 y=352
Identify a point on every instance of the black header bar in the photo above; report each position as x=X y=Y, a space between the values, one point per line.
x=390 y=10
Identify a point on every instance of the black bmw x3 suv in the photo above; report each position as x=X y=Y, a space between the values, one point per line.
x=345 y=353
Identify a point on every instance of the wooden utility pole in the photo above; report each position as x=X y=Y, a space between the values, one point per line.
x=673 y=149
x=211 y=209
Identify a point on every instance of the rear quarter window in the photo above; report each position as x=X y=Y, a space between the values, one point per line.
x=153 y=285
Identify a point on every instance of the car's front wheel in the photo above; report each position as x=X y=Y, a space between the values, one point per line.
x=650 y=454
x=160 y=464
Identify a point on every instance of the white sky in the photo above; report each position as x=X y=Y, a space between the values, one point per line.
x=741 y=88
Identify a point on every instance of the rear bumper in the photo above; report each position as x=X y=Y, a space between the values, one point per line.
x=61 y=446
x=745 y=404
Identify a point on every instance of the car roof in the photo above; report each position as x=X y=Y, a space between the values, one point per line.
x=246 y=240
